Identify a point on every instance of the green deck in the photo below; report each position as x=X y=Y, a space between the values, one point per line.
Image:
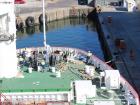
x=47 y=82
x=41 y=81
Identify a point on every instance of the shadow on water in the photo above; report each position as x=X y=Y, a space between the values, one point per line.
x=30 y=30
x=51 y=26
x=74 y=32
x=121 y=9
x=41 y=28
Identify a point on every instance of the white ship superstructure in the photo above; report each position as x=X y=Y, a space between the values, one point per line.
x=8 y=62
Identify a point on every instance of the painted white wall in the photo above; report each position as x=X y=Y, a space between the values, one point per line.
x=8 y=59
x=112 y=79
x=49 y=96
x=124 y=3
x=84 y=89
x=104 y=103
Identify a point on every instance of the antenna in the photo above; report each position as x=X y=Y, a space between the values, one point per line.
x=44 y=23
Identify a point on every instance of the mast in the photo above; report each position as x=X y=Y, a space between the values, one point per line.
x=44 y=23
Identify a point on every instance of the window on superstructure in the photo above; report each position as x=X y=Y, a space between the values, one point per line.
x=4 y=23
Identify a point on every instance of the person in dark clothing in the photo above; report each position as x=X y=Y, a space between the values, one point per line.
x=65 y=57
x=52 y=60
x=88 y=61
x=34 y=60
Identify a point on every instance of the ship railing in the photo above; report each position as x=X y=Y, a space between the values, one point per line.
x=4 y=100
x=32 y=100
x=99 y=64
x=103 y=66
x=116 y=100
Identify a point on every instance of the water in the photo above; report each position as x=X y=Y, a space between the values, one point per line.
x=77 y=33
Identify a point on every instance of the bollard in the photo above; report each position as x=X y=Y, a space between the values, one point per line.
x=109 y=19
x=132 y=54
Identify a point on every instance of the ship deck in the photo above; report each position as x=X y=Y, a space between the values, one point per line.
x=41 y=81
x=47 y=82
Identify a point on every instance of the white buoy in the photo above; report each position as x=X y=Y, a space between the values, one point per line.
x=30 y=69
x=39 y=68
x=58 y=74
x=91 y=70
x=87 y=69
x=53 y=69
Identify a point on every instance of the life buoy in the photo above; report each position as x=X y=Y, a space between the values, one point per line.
x=30 y=21
x=41 y=18
x=19 y=23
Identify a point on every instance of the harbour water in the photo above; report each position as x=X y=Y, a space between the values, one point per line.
x=77 y=32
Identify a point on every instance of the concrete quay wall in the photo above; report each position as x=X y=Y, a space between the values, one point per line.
x=59 y=13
